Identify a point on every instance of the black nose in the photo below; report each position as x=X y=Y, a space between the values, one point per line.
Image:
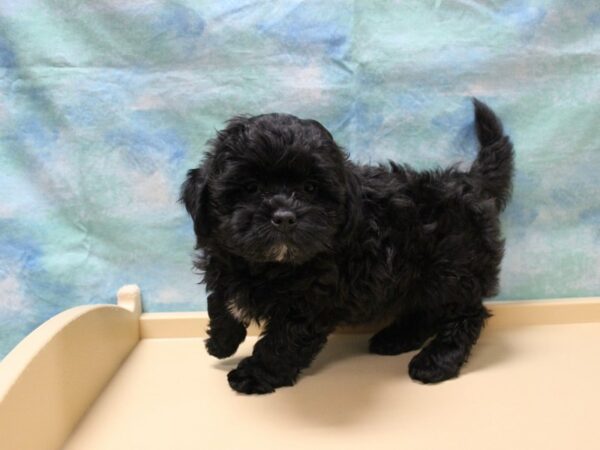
x=284 y=219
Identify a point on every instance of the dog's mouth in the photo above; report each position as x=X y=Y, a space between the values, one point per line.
x=258 y=241
x=293 y=248
x=280 y=252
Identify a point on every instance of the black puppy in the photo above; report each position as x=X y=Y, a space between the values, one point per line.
x=299 y=238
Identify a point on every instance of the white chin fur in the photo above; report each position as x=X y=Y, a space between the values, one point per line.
x=280 y=252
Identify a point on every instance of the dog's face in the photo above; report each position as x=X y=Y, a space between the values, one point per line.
x=273 y=188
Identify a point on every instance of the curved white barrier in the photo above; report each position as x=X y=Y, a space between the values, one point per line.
x=51 y=378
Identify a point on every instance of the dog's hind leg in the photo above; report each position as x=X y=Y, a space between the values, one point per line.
x=443 y=357
x=406 y=333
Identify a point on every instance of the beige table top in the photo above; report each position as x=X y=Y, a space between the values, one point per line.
x=534 y=387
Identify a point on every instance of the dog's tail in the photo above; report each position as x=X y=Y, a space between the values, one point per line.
x=494 y=165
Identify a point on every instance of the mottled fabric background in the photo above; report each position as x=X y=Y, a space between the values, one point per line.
x=105 y=104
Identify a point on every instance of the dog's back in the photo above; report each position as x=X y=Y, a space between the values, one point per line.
x=436 y=228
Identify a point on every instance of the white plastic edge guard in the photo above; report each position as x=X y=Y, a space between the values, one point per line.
x=53 y=375
x=506 y=314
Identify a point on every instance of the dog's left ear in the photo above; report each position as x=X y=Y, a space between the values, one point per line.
x=195 y=197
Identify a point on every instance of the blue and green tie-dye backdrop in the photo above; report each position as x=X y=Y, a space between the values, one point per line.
x=105 y=104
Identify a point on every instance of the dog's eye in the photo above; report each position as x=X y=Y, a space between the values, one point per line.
x=309 y=187
x=251 y=188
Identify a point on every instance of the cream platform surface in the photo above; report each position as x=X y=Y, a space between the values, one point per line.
x=106 y=378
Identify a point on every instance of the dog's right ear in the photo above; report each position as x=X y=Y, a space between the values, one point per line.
x=195 y=197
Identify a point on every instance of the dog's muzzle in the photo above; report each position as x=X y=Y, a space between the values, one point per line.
x=284 y=220
x=283 y=217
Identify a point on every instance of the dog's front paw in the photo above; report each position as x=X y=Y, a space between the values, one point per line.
x=251 y=378
x=433 y=366
x=220 y=348
x=248 y=382
x=224 y=341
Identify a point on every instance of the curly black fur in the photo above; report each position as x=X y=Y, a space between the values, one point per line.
x=357 y=244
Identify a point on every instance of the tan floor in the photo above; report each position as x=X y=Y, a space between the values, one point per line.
x=525 y=388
